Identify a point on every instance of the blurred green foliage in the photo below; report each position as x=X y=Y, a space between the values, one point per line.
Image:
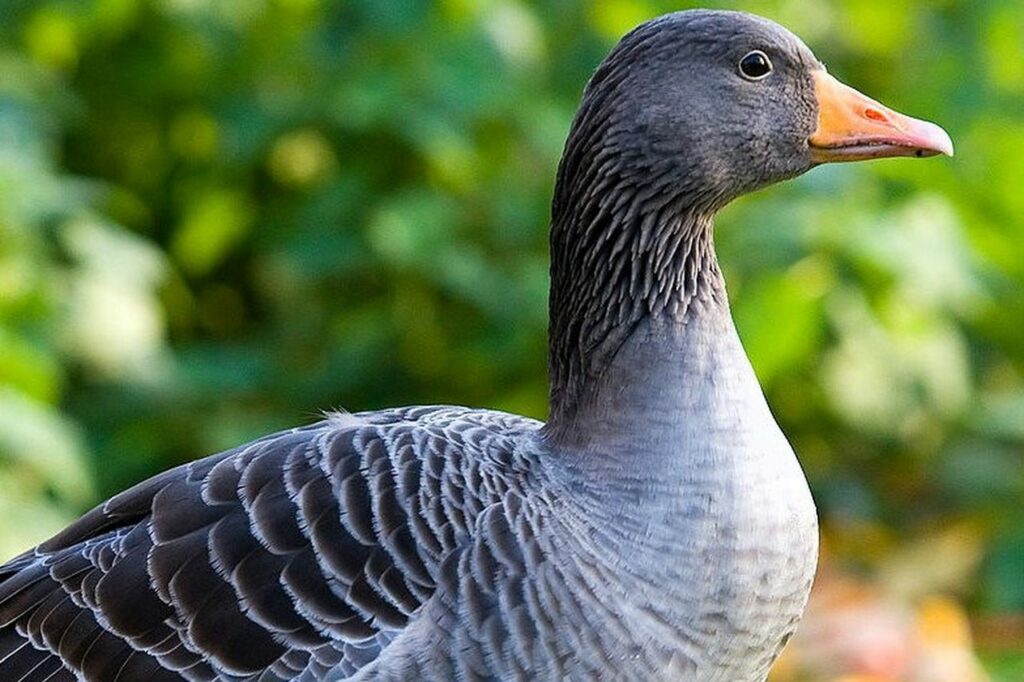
x=219 y=217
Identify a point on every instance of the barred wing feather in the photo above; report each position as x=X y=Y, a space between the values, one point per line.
x=300 y=556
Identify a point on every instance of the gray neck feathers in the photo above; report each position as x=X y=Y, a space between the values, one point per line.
x=624 y=253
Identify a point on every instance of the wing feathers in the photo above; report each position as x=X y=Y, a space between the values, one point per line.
x=299 y=556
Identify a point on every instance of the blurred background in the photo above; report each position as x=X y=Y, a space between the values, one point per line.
x=219 y=217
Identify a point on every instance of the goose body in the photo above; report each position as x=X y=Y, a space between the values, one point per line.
x=441 y=543
x=658 y=526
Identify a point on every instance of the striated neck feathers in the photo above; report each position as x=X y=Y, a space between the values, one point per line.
x=630 y=240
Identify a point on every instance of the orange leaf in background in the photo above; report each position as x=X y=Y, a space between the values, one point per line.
x=941 y=621
x=944 y=649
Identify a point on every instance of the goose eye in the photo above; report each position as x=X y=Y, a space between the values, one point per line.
x=755 y=65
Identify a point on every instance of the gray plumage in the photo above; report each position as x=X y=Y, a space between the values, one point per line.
x=658 y=526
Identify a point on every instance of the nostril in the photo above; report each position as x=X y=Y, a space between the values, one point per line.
x=875 y=115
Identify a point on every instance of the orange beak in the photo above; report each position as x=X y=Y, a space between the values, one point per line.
x=854 y=127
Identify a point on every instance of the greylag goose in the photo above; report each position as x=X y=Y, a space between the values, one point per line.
x=658 y=526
